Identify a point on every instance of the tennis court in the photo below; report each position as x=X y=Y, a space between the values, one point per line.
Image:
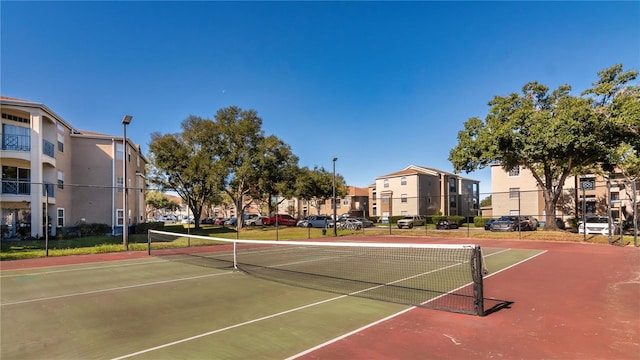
x=156 y=308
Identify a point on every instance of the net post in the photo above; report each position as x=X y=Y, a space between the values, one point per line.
x=477 y=274
x=149 y=242
x=235 y=255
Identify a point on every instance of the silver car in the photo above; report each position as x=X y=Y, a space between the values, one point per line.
x=316 y=221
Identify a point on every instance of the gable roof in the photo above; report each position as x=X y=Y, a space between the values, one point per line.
x=422 y=170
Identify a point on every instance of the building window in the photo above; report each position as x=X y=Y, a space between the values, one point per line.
x=514 y=172
x=373 y=196
x=385 y=199
x=615 y=196
x=60 y=180
x=119 y=152
x=514 y=193
x=403 y=180
x=403 y=198
x=119 y=184
x=60 y=142
x=453 y=186
x=345 y=202
x=60 y=220
x=386 y=183
x=16 y=118
x=119 y=217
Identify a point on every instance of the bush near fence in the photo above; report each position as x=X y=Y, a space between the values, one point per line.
x=93 y=229
x=143 y=228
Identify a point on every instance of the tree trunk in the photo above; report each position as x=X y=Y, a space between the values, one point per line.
x=550 y=210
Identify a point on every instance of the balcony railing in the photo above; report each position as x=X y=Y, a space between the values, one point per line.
x=16 y=186
x=48 y=148
x=16 y=142
x=48 y=188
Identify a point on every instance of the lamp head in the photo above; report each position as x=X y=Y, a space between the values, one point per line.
x=127 y=119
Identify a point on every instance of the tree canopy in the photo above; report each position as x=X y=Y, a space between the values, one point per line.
x=553 y=133
x=316 y=186
x=185 y=163
x=227 y=155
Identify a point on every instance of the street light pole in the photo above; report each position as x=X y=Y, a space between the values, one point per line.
x=335 y=219
x=125 y=226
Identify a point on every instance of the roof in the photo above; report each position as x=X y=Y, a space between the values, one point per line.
x=356 y=191
x=6 y=100
x=422 y=170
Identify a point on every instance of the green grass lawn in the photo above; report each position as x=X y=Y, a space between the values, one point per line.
x=14 y=250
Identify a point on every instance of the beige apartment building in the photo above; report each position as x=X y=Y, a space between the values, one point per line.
x=418 y=190
x=354 y=203
x=51 y=168
x=516 y=192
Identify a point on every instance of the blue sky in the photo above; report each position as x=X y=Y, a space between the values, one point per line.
x=380 y=85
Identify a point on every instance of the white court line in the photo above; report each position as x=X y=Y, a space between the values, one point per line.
x=76 y=268
x=293 y=310
x=308 y=351
x=116 y=288
x=226 y=328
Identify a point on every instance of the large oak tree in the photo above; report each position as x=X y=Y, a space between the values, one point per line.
x=553 y=134
x=227 y=155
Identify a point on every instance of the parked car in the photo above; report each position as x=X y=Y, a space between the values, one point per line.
x=446 y=224
x=410 y=221
x=352 y=223
x=257 y=221
x=532 y=223
x=598 y=225
x=487 y=225
x=187 y=220
x=510 y=223
x=249 y=219
x=282 y=219
x=207 y=220
x=560 y=224
x=365 y=222
x=231 y=222
x=167 y=219
x=219 y=221
x=384 y=220
x=316 y=221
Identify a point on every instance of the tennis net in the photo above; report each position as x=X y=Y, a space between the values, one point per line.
x=444 y=277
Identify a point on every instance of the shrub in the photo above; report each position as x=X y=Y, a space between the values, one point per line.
x=91 y=229
x=480 y=221
x=143 y=228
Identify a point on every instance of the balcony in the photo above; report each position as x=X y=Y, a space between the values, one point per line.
x=16 y=186
x=48 y=148
x=13 y=142
x=48 y=189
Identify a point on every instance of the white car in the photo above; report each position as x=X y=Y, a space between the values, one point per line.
x=597 y=225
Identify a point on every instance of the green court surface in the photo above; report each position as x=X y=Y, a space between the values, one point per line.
x=153 y=308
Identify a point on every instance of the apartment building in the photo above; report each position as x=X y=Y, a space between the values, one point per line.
x=517 y=192
x=418 y=190
x=55 y=174
x=354 y=203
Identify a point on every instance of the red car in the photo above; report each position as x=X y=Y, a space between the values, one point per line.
x=281 y=219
